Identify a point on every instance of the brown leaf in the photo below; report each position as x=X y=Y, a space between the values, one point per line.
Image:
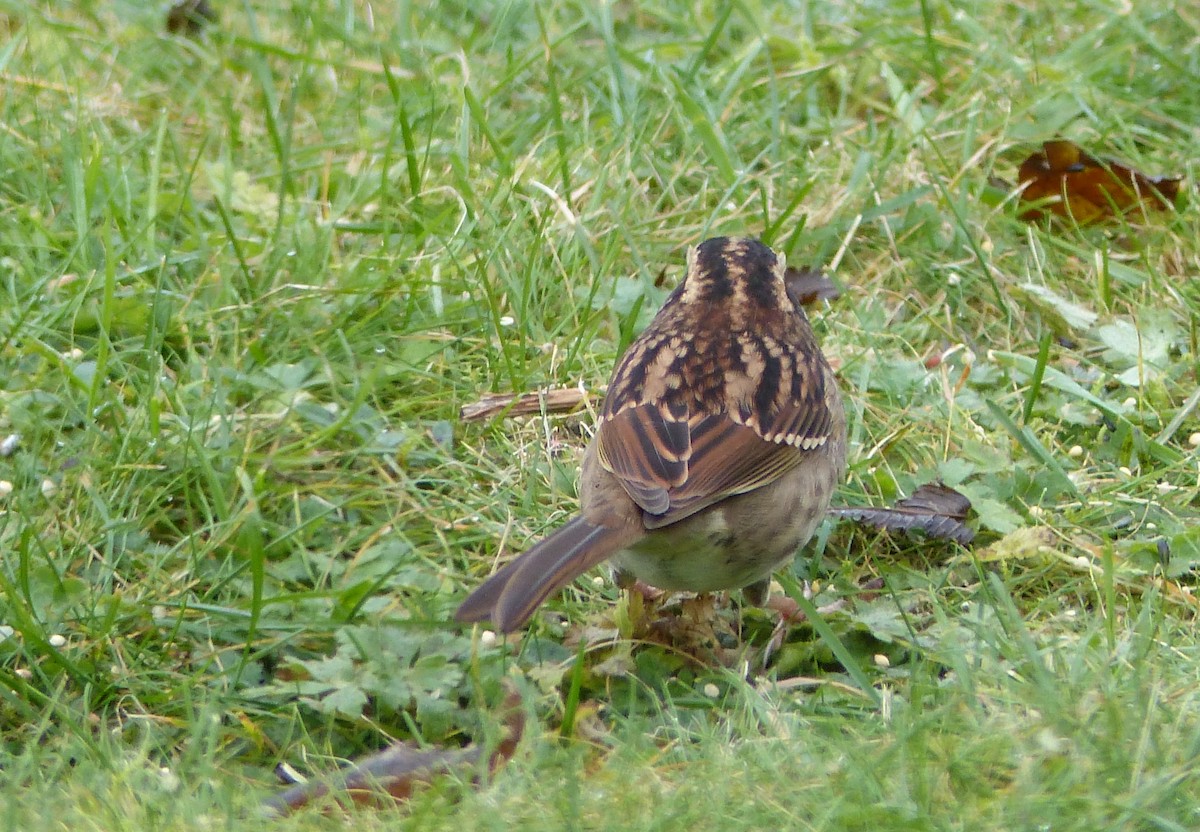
x=394 y=772
x=561 y=400
x=1065 y=181
x=806 y=286
x=189 y=17
x=935 y=509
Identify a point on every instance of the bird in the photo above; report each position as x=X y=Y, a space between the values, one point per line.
x=720 y=442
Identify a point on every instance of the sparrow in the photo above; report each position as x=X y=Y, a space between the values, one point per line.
x=720 y=442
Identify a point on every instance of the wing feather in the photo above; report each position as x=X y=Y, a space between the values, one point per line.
x=674 y=468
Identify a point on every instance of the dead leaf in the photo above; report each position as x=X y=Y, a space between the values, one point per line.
x=561 y=400
x=935 y=509
x=1061 y=179
x=189 y=17
x=806 y=286
x=394 y=773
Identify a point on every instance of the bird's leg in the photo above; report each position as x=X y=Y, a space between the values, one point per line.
x=628 y=582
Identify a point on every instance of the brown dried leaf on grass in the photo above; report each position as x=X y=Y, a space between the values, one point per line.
x=561 y=400
x=391 y=775
x=190 y=17
x=703 y=629
x=935 y=509
x=1061 y=179
x=806 y=286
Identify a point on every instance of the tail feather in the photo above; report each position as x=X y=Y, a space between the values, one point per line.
x=509 y=597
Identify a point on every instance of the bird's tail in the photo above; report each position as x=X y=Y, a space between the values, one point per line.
x=509 y=597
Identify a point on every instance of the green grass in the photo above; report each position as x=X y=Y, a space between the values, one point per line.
x=247 y=282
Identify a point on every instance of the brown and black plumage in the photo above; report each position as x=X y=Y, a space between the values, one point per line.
x=721 y=440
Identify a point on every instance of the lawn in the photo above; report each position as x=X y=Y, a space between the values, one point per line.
x=249 y=278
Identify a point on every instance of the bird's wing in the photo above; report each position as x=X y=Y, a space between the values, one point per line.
x=673 y=467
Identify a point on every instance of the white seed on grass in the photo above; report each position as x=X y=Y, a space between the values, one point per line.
x=168 y=780
x=712 y=691
x=1075 y=452
x=1125 y=472
x=1194 y=439
x=6 y=488
x=9 y=444
x=598 y=581
x=6 y=631
x=487 y=638
x=48 y=488
x=507 y=320
x=1130 y=402
x=57 y=641
x=881 y=660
